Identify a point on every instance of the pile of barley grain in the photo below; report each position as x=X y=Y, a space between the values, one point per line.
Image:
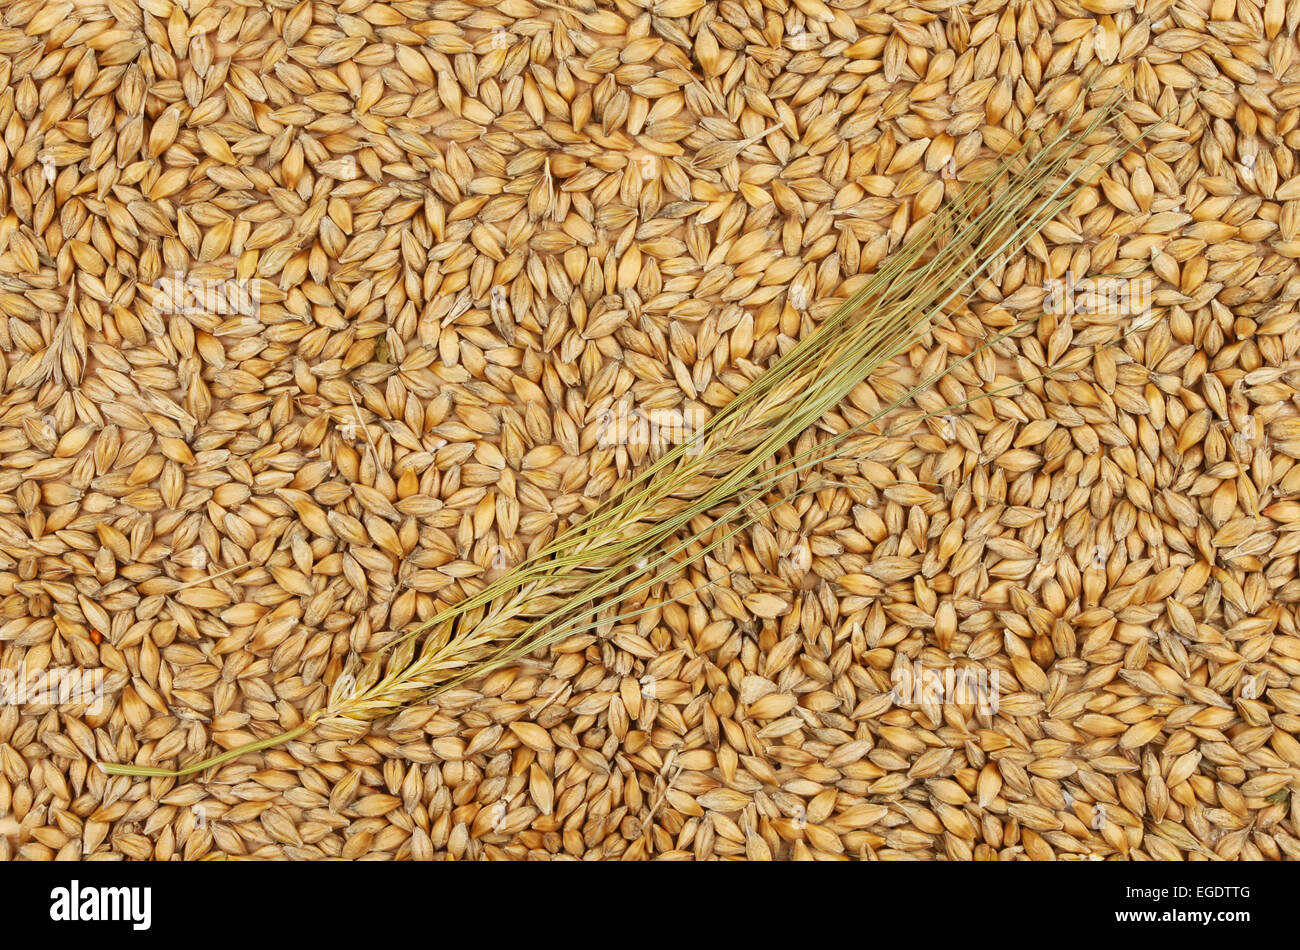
x=312 y=313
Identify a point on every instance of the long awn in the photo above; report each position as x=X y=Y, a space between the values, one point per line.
x=642 y=535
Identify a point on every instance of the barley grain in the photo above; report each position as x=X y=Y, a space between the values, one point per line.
x=410 y=256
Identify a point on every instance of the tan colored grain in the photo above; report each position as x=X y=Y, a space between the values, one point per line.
x=470 y=232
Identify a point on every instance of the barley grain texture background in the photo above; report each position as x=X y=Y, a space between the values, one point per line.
x=314 y=318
